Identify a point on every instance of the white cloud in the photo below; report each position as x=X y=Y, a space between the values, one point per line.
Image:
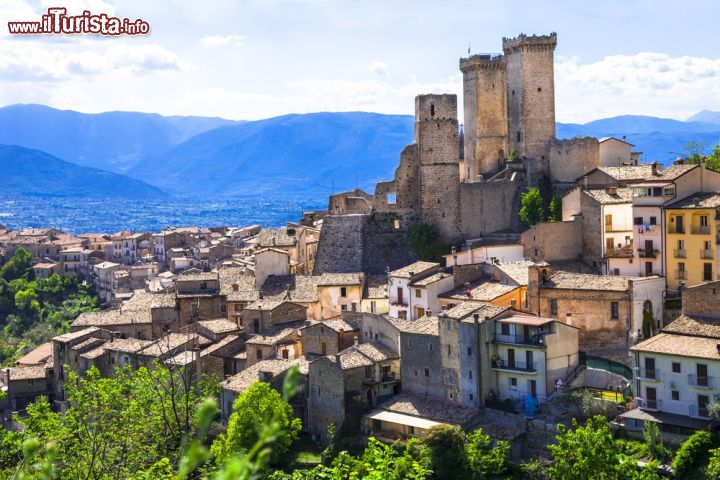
x=643 y=84
x=22 y=60
x=222 y=40
x=379 y=68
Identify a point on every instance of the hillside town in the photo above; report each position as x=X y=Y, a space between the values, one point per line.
x=619 y=295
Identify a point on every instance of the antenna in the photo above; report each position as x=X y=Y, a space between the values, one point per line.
x=468 y=47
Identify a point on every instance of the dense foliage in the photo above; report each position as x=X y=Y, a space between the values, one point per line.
x=424 y=241
x=555 y=209
x=695 y=155
x=694 y=455
x=34 y=310
x=531 y=207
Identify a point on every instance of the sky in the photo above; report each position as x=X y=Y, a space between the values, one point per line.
x=253 y=59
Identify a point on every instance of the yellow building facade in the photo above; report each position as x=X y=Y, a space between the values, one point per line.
x=691 y=234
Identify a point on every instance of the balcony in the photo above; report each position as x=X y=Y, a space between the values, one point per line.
x=681 y=274
x=679 y=253
x=701 y=382
x=387 y=378
x=647 y=229
x=706 y=254
x=648 y=253
x=532 y=340
x=650 y=374
x=522 y=367
x=700 y=229
x=648 y=404
x=674 y=229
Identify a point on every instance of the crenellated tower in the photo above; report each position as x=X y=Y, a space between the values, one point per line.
x=486 y=119
x=436 y=137
x=531 y=94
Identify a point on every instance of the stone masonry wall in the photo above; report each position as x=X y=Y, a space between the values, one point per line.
x=703 y=300
x=554 y=241
x=570 y=159
x=488 y=206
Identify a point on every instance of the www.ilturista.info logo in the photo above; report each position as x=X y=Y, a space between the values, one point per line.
x=57 y=21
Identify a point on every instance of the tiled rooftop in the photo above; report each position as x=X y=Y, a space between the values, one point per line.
x=682 y=345
x=587 y=281
x=481 y=292
x=413 y=269
x=697 y=325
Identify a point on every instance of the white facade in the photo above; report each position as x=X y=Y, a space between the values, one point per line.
x=423 y=295
x=489 y=254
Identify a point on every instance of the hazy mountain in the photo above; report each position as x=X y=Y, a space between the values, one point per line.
x=112 y=141
x=32 y=172
x=707 y=116
x=310 y=153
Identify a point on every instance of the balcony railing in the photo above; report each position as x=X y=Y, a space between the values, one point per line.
x=701 y=229
x=706 y=254
x=702 y=382
x=674 y=229
x=534 y=340
x=648 y=253
x=679 y=253
x=681 y=274
x=647 y=373
x=648 y=404
x=503 y=364
x=647 y=229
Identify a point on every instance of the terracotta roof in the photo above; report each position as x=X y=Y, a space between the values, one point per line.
x=362 y=355
x=220 y=325
x=704 y=200
x=687 y=324
x=431 y=279
x=237 y=285
x=38 y=355
x=333 y=279
x=421 y=326
x=68 y=337
x=376 y=286
x=411 y=270
x=240 y=382
x=603 y=197
x=681 y=345
x=481 y=292
x=624 y=252
x=295 y=288
x=517 y=271
x=37 y=372
x=127 y=345
x=587 y=281
x=432 y=409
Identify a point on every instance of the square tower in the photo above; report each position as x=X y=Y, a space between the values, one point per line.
x=531 y=94
x=486 y=120
x=436 y=137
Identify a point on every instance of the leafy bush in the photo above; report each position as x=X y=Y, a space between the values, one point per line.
x=694 y=455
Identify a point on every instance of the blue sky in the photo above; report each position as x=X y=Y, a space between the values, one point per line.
x=258 y=58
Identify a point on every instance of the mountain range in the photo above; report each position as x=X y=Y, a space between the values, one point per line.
x=141 y=154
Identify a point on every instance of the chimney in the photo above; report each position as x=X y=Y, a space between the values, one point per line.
x=355 y=340
x=476 y=318
x=7 y=375
x=654 y=168
x=611 y=190
x=337 y=358
x=453 y=249
x=696 y=201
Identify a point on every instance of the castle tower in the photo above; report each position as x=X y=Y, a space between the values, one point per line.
x=486 y=120
x=436 y=137
x=531 y=94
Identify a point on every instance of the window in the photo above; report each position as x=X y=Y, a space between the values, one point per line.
x=676 y=367
x=638 y=220
x=256 y=325
x=469 y=351
x=518 y=135
x=343 y=308
x=653 y=220
x=513 y=383
x=203 y=286
x=402 y=315
x=323 y=349
x=470 y=374
x=616 y=271
x=432 y=109
x=707 y=272
x=258 y=353
x=223 y=308
x=675 y=395
x=343 y=291
x=418 y=293
x=427 y=372
x=373 y=306
x=614 y=310
x=430 y=347
x=449 y=350
x=553 y=307
x=391 y=198
x=703 y=220
x=368 y=371
x=237 y=307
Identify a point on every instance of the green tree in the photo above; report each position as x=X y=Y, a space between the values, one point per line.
x=424 y=240
x=483 y=459
x=693 y=456
x=648 y=325
x=258 y=405
x=555 y=209
x=713 y=469
x=588 y=452
x=19 y=266
x=654 y=441
x=531 y=210
x=694 y=151
x=446 y=449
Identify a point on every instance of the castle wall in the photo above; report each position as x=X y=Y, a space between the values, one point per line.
x=488 y=206
x=340 y=247
x=573 y=158
x=554 y=241
x=485 y=112
x=354 y=201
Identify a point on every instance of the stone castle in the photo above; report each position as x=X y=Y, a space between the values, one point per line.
x=467 y=182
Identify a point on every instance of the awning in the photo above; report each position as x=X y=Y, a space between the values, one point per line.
x=401 y=419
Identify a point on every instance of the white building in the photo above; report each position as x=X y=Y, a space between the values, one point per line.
x=403 y=301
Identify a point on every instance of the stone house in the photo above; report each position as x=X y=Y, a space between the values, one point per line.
x=75 y=260
x=264 y=314
x=45 y=269
x=23 y=385
x=328 y=337
x=278 y=341
x=485 y=254
x=340 y=292
x=198 y=295
x=345 y=385
x=484 y=292
x=103 y=274
x=375 y=297
x=608 y=310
